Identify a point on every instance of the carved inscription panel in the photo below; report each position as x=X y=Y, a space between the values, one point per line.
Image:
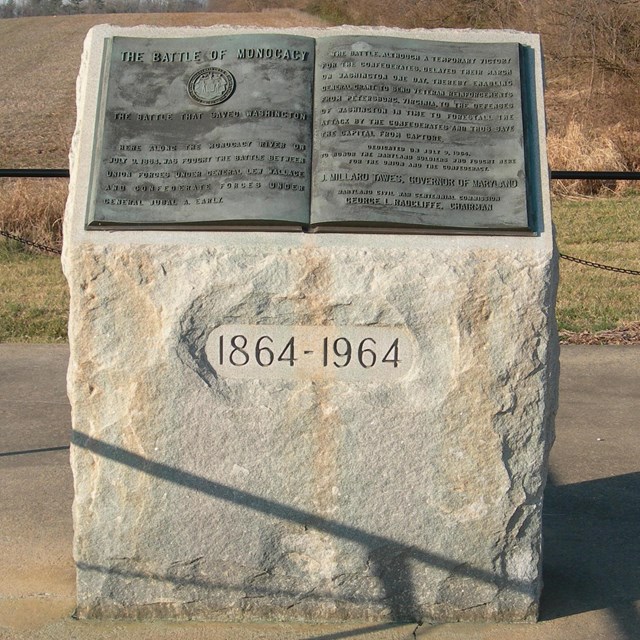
x=310 y=352
x=408 y=128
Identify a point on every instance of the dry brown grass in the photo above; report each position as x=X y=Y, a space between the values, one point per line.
x=33 y=208
x=582 y=149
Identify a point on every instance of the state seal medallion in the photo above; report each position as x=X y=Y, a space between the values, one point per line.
x=211 y=86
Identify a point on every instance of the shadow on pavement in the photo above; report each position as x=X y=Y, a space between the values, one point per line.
x=592 y=550
x=5 y=454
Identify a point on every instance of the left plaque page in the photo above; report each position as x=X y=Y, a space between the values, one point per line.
x=208 y=130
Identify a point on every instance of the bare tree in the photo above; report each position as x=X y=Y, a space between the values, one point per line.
x=604 y=34
x=8 y=9
x=75 y=6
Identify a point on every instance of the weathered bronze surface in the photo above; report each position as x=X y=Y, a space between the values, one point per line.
x=207 y=129
x=398 y=131
x=419 y=132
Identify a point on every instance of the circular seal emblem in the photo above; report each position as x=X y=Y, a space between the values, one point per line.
x=211 y=86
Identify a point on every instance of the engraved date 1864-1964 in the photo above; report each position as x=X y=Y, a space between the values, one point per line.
x=299 y=352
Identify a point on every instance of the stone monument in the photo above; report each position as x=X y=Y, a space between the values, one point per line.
x=314 y=360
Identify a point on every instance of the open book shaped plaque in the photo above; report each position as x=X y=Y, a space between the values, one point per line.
x=331 y=133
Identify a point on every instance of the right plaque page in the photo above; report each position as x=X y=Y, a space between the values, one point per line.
x=419 y=133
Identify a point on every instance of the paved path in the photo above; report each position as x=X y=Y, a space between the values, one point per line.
x=592 y=516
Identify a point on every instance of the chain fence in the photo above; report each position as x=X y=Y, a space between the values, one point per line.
x=29 y=243
x=554 y=175
x=586 y=263
x=597 y=265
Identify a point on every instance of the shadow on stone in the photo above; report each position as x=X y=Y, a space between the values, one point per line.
x=591 y=553
x=393 y=573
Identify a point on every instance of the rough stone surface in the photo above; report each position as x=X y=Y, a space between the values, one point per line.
x=200 y=495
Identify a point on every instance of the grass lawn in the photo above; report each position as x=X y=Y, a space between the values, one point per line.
x=34 y=298
x=607 y=231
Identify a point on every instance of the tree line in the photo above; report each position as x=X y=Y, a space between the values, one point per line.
x=27 y=8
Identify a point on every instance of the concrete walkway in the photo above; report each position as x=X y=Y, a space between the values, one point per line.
x=592 y=515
